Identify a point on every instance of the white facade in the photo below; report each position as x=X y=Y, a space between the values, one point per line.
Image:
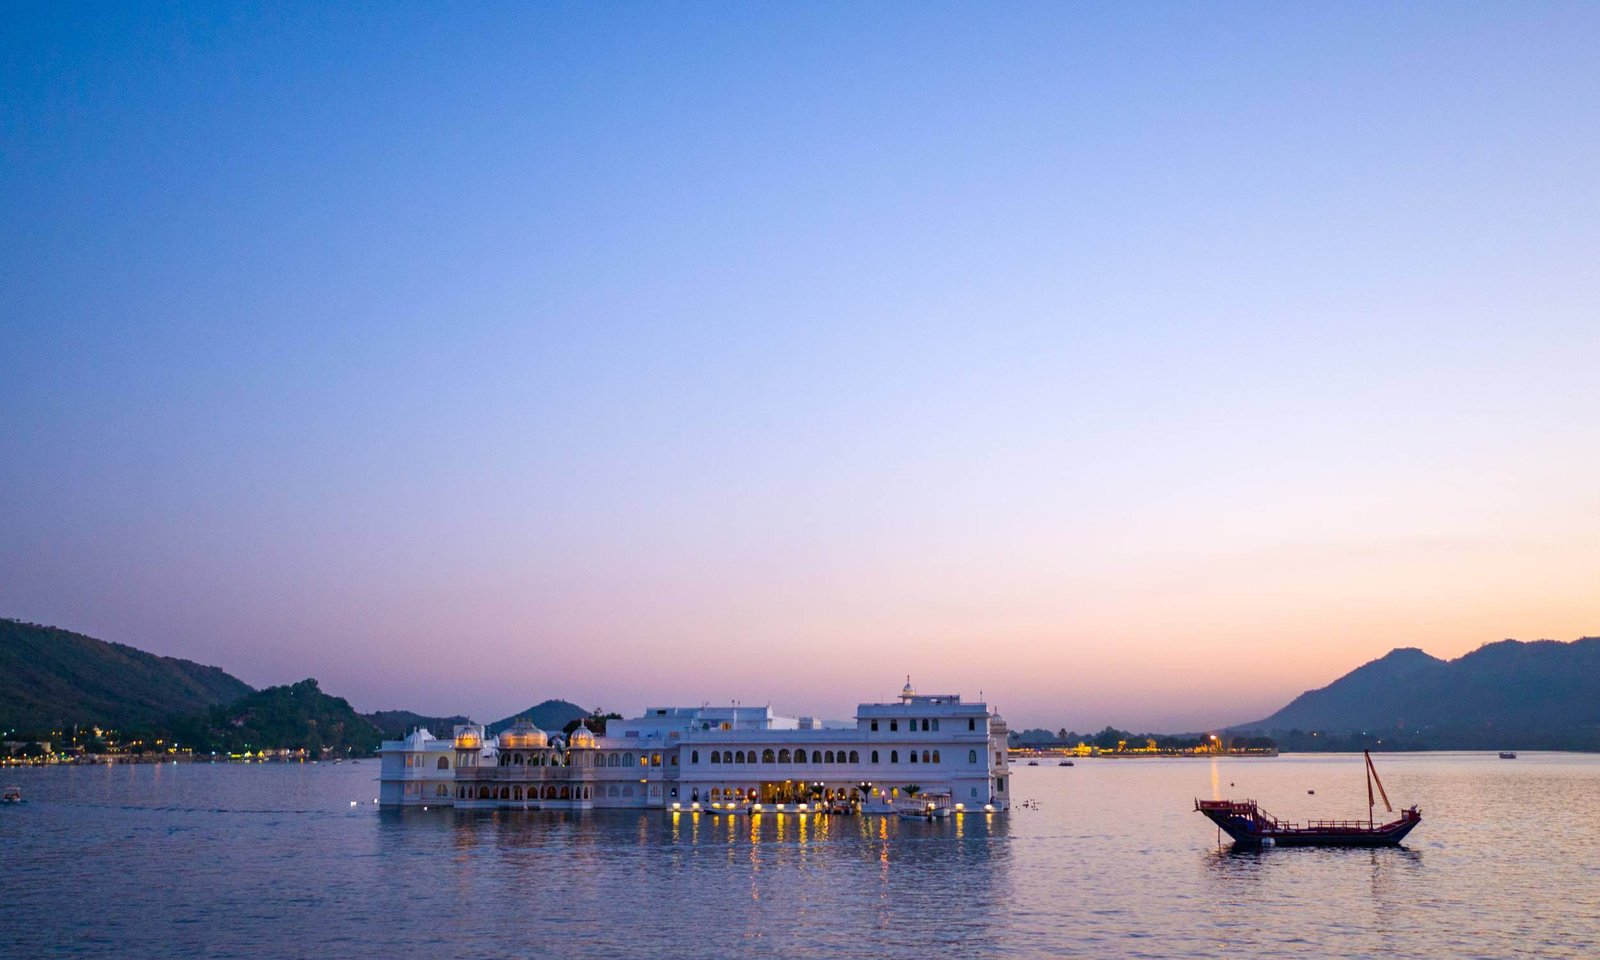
x=736 y=756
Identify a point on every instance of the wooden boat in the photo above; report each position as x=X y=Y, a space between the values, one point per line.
x=1508 y=755
x=11 y=795
x=1251 y=826
x=1065 y=763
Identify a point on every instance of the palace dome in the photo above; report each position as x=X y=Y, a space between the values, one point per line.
x=580 y=737
x=523 y=735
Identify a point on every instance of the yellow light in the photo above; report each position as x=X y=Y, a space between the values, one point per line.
x=694 y=806
x=755 y=808
x=988 y=808
x=960 y=807
x=677 y=806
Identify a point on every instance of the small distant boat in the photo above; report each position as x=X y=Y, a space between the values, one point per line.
x=925 y=807
x=11 y=795
x=1250 y=826
x=1065 y=763
x=1033 y=763
x=1508 y=755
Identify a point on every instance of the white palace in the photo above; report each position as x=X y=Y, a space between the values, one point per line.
x=728 y=758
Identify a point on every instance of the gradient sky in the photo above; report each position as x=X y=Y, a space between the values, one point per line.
x=1138 y=364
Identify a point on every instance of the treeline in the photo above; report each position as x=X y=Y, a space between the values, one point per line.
x=297 y=716
x=1400 y=740
x=1111 y=739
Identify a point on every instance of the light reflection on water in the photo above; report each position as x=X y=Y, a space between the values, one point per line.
x=269 y=861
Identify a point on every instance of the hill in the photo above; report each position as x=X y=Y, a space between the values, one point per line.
x=550 y=715
x=395 y=724
x=292 y=716
x=1543 y=694
x=51 y=677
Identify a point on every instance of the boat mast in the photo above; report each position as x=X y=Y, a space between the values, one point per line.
x=1369 y=788
x=1372 y=776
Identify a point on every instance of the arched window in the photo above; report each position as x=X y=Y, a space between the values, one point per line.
x=716 y=756
x=912 y=755
x=750 y=757
x=972 y=756
x=855 y=757
x=444 y=763
x=443 y=790
x=816 y=756
x=874 y=756
x=655 y=760
x=612 y=791
x=783 y=756
x=516 y=793
x=799 y=756
x=627 y=791
x=738 y=757
x=627 y=759
x=767 y=756
x=894 y=756
x=827 y=757
x=694 y=756
x=935 y=724
x=935 y=756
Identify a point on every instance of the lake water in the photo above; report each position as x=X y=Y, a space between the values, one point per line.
x=272 y=861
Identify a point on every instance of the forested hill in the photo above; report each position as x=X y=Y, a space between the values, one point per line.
x=51 y=677
x=1509 y=695
x=295 y=716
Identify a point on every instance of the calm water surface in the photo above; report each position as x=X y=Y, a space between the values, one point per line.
x=272 y=861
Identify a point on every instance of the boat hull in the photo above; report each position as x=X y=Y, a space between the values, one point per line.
x=1248 y=827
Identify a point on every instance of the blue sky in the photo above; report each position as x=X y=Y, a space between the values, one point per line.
x=1141 y=364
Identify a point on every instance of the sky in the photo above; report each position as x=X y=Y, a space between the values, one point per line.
x=1133 y=364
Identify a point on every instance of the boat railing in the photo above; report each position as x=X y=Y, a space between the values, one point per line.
x=1250 y=810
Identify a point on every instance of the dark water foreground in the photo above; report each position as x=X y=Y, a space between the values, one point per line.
x=272 y=861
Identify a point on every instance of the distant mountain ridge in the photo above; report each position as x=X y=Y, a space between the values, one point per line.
x=50 y=677
x=549 y=715
x=1509 y=695
x=396 y=724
